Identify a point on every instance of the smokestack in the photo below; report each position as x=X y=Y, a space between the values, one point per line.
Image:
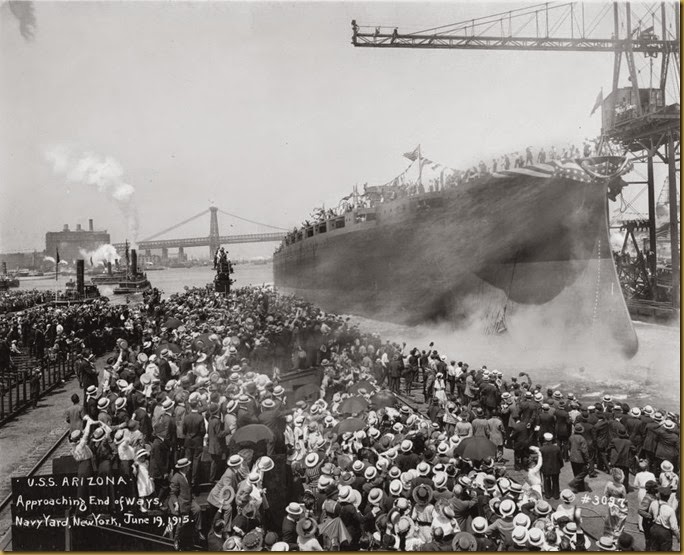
x=66 y=227
x=109 y=268
x=134 y=261
x=78 y=227
x=4 y=268
x=80 y=282
x=90 y=224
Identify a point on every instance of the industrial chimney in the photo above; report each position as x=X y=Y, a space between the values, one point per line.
x=90 y=224
x=78 y=227
x=80 y=280
x=134 y=262
x=109 y=268
x=66 y=227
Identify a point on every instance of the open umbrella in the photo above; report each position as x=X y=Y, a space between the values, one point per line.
x=252 y=433
x=476 y=448
x=363 y=384
x=256 y=436
x=309 y=392
x=173 y=323
x=383 y=399
x=349 y=425
x=353 y=405
x=335 y=530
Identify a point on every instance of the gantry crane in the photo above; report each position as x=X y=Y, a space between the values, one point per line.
x=638 y=118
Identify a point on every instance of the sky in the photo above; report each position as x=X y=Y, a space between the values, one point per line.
x=264 y=109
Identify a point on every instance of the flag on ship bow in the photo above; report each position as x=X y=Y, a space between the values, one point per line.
x=413 y=155
x=598 y=103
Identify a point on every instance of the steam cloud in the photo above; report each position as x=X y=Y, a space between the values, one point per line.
x=103 y=172
x=25 y=14
x=103 y=254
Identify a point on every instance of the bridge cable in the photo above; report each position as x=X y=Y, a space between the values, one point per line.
x=175 y=226
x=251 y=221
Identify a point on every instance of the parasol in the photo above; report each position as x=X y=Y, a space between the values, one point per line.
x=353 y=405
x=309 y=392
x=252 y=433
x=349 y=425
x=476 y=448
x=363 y=384
x=172 y=323
x=382 y=400
x=335 y=530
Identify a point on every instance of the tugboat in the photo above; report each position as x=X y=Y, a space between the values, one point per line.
x=223 y=267
x=77 y=291
x=7 y=281
x=135 y=281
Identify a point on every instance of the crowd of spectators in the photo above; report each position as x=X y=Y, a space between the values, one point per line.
x=350 y=465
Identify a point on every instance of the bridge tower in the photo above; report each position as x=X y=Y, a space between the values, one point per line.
x=213 y=231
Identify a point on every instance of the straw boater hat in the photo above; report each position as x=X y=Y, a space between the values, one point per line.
x=519 y=535
x=535 y=537
x=606 y=543
x=182 y=463
x=98 y=435
x=294 y=509
x=311 y=460
x=375 y=496
x=167 y=404
x=307 y=528
x=422 y=494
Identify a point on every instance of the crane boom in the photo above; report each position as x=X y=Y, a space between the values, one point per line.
x=437 y=41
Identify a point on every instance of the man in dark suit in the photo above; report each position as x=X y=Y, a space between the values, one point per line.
x=294 y=513
x=621 y=453
x=552 y=462
x=194 y=430
x=181 y=502
x=164 y=367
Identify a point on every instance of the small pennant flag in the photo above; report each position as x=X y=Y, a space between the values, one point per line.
x=413 y=155
x=598 y=103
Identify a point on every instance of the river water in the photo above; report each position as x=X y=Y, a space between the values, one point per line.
x=652 y=376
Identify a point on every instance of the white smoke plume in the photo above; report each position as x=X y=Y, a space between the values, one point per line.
x=617 y=239
x=101 y=255
x=103 y=172
x=49 y=259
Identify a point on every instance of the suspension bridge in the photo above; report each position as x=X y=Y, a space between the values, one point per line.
x=214 y=240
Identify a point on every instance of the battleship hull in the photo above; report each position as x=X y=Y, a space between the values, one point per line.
x=500 y=252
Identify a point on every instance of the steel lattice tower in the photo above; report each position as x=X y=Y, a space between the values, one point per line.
x=214 y=237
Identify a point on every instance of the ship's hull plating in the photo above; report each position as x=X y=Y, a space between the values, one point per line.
x=486 y=251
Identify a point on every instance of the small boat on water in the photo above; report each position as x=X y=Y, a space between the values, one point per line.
x=8 y=282
x=71 y=295
x=134 y=281
x=109 y=279
x=133 y=284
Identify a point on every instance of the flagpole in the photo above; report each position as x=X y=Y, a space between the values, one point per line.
x=420 y=167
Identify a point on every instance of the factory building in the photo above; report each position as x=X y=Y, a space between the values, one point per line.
x=70 y=242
